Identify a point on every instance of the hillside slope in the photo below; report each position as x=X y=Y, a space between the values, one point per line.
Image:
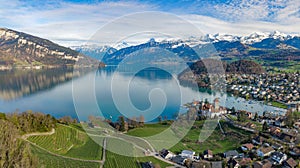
x=21 y=49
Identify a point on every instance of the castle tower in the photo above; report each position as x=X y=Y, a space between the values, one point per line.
x=217 y=104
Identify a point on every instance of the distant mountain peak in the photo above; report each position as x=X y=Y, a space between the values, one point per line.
x=121 y=45
x=21 y=49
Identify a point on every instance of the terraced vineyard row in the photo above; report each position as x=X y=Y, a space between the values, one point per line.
x=47 y=160
x=117 y=161
x=114 y=160
x=69 y=142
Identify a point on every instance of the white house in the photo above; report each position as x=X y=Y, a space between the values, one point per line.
x=279 y=157
x=187 y=154
x=265 y=151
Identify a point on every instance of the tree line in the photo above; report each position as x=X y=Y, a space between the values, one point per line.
x=14 y=152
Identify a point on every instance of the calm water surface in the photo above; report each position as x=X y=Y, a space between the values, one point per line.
x=51 y=92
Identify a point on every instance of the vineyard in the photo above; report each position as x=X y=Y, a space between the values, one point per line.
x=114 y=160
x=47 y=160
x=70 y=142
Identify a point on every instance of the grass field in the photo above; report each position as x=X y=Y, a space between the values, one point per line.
x=47 y=160
x=216 y=141
x=69 y=141
x=148 y=130
x=279 y=105
x=118 y=161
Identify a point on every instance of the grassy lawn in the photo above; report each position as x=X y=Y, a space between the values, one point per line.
x=114 y=160
x=47 y=160
x=216 y=142
x=279 y=105
x=154 y=161
x=119 y=161
x=233 y=118
x=148 y=130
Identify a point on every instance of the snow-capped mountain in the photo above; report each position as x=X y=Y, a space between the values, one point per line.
x=94 y=51
x=121 y=45
x=254 y=38
x=222 y=37
x=224 y=44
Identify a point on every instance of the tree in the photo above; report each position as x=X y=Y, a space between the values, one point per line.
x=2 y=116
x=291 y=118
x=265 y=126
x=233 y=110
x=255 y=116
x=242 y=116
x=13 y=152
x=66 y=120
x=206 y=101
x=264 y=114
x=159 y=118
x=122 y=124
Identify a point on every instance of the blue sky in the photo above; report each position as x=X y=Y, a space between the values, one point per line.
x=71 y=22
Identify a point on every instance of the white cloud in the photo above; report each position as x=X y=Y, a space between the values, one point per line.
x=75 y=22
x=72 y=24
x=209 y=25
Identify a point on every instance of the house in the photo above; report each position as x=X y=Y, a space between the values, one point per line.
x=275 y=131
x=233 y=163
x=295 y=151
x=166 y=154
x=231 y=154
x=290 y=163
x=278 y=157
x=147 y=165
x=218 y=164
x=208 y=154
x=265 y=151
x=249 y=115
x=245 y=162
x=297 y=125
x=250 y=125
x=262 y=164
x=91 y=125
x=179 y=160
x=201 y=164
x=277 y=146
x=258 y=140
x=288 y=137
x=247 y=147
x=280 y=122
x=187 y=154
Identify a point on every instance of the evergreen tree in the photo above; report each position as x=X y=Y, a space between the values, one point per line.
x=122 y=123
x=265 y=126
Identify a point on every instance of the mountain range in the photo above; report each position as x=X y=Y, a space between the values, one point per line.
x=265 y=45
x=21 y=49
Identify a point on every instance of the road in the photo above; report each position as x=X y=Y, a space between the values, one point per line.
x=25 y=136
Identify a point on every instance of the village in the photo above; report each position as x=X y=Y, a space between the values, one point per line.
x=275 y=141
x=278 y=87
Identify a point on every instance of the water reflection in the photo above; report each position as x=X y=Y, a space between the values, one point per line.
x=51 y=92
x=16 y=84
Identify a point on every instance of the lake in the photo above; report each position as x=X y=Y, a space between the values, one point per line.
x=107 y=93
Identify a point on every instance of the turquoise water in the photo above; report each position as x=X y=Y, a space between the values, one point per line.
x=152 y=93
